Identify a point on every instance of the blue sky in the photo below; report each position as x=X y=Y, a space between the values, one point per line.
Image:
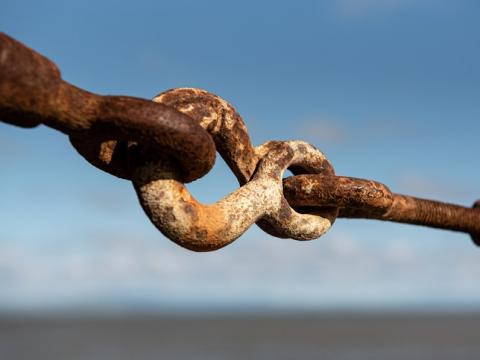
x=389 y=90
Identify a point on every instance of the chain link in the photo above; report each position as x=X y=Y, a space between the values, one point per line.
x=162 y=144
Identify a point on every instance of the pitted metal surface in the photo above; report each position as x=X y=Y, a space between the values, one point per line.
x=222 y=121
x=32 y=92
x=233 y=143
x=358 y=198
x=202 y=227
x=160 y=145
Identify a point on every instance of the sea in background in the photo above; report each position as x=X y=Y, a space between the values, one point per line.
x=387 y=89
x=241 y=335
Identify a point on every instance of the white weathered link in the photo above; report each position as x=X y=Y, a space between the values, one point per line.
x=200 y=227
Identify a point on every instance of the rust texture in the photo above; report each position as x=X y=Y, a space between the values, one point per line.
x=202 y=227
x=162 y=144
x=32 y=92
x=358 y=198
x=260 y=170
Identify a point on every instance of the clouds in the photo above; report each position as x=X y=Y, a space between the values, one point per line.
x=10 y=149
x=71 y=235
x=257 y=271
x=420 y=184
x=340 y=131
x=360 y=9
x=325 y=130
x=105 y=200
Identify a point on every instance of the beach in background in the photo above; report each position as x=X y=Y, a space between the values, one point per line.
x=242 y=336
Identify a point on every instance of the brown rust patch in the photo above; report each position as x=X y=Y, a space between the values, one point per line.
x=32 y=92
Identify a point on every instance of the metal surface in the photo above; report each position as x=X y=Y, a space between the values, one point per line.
x=32 y=92
x=206 y=227
x=202 y=227
x=163 y=144
x=358 y=198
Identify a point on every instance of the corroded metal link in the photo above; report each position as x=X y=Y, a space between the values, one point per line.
x=32 y=92
x=366 y=196
x=200 y=227
x=232 y=141
x=222 y=121
x=163 y=144
x=358 y=198
x=227 y=129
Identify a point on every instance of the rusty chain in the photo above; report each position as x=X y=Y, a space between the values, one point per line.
x=162 y=144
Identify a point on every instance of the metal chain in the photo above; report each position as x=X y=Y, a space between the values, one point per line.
x=32 y=92
x=159 y=145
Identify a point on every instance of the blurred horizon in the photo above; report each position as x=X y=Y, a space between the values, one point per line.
x=389 y=90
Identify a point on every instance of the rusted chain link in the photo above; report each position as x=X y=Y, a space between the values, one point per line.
x=358 y=198
x=32 y=92
x=160 y=145
x=272 y=213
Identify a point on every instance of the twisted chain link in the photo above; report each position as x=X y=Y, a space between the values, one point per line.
x=162 y=144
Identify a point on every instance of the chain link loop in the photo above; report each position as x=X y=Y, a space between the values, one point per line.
x=160 y=145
